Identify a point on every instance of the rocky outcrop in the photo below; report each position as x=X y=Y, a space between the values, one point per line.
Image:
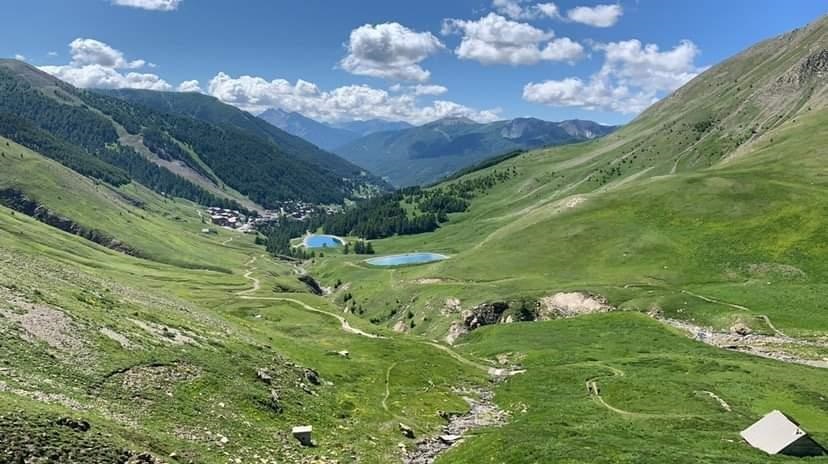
x=486 y=314
x=312 y=284
x=814 y=66
x=557 y=306
x=483 y=412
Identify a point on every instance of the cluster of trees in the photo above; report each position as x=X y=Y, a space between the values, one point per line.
x=378 y=218
x=69 y=121
x=387 y=215
x=27 y=134
x=361 y=247
x=162 y=180
x=278 y=236
x=86 y=142
x=254 y=166
x=409 y=211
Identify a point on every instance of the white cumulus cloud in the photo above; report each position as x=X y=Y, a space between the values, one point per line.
x=155 y=5
x=494 y=39
x=95 y=64
x=100 y=77
x=190 y=86
x=548 y=9
x=19 y=57
x=90 y=51
x=390 y=51
x=351 y=102
x=420 y=89
x=633 y=77
x=598 y=16
x=522 y=9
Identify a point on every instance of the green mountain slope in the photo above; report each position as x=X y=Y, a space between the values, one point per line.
x=210 y=110
x=171 y=154
x=425 y=154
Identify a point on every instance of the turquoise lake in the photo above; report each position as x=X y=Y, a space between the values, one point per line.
x=322 y=241
x=406 y=259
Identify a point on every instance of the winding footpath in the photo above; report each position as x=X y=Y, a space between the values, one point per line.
x=483 y=412
x=594 y=390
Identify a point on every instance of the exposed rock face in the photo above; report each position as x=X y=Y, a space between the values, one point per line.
x=456 y=331
x=561 y=305
x=485 y=314
x=264 y=376
x=312 y=284
x=400 y=327
x=814 y=66
x=451 y=306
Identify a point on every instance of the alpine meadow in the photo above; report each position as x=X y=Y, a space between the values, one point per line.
x=362 y=232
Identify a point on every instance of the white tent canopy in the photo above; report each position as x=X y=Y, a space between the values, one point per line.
x=777 y=434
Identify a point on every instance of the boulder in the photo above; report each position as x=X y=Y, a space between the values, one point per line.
x=264 y=376
x=407 y=431
x=76 y=425
x=450 y=439
x=313 y=377
x=741 y=329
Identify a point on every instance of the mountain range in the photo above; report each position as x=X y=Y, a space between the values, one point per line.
x=425 y=154
x=405 y=155
x=327 y=136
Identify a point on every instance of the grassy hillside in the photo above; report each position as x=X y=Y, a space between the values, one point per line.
x=151 y=351
x=649 y=212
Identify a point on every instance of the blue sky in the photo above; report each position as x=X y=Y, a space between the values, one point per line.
x=347 y=59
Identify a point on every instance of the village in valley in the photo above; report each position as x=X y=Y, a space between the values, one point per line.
x=249 y=223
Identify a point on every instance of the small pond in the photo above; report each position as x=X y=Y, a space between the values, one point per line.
x=406 y=259
x=322 y=241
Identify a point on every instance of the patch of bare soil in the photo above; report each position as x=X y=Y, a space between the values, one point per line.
x=139 y=381
x=168 y=334
x=483 y=412
x=117 y=337
x=43 y=323
x=571 y=304
x=430 y=281
x=775 y=270
x=400 y=327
